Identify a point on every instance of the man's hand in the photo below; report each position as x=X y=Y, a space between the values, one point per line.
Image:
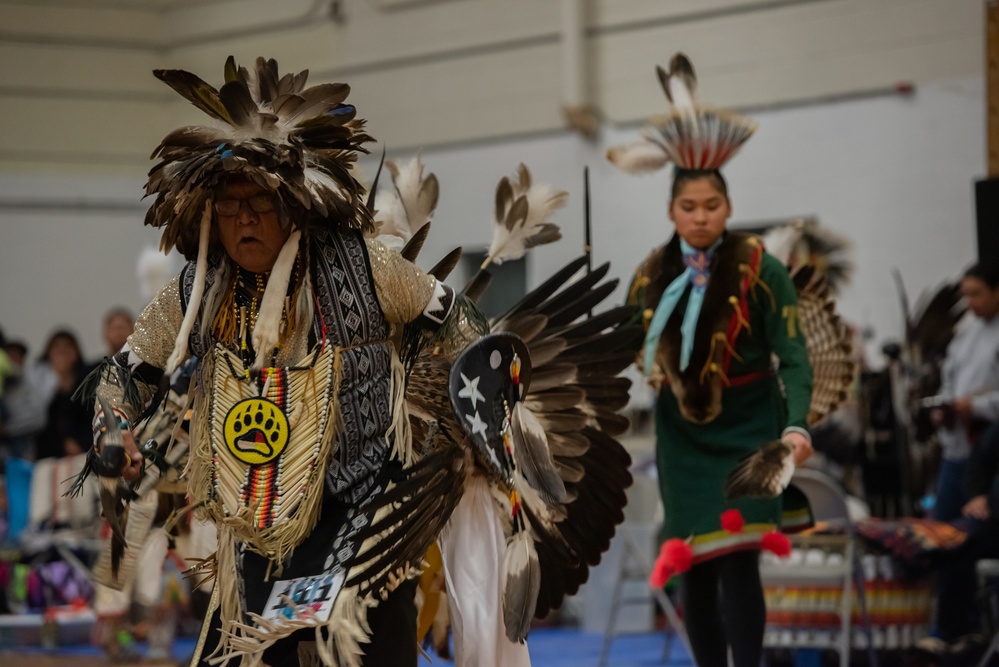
x=977 y=508
x=963 y=407
x=802 y=447
x=131 y=471
x=133 y=459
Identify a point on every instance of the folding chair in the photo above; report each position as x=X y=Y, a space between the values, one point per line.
x=828 y=504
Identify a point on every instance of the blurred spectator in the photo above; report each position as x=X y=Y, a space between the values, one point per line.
x=957 y=617
x=26 y=400
x=67 y=427
x=969 y=393
x=5 y=371
x=118 y=326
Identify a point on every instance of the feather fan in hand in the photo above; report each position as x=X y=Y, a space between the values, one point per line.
x=767 y=472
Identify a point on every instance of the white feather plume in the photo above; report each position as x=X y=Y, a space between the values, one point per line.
x=523 y=211
x=640 y=157
x=679 y=83
x=780 y=241
x=267 y=330
x=410 y=203
x=197 y=291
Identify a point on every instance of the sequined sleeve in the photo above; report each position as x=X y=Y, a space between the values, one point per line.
x=129 y=380
x=405 y=293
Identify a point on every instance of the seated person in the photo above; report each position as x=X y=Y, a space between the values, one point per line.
x=957 y=617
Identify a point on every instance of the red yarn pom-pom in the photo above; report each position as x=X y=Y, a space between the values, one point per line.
x=732 y=521
x=678 y=555
x=675 y=557
x=660 y=574
x=777 y=543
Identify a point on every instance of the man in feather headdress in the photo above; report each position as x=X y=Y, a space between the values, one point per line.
x=298 y=406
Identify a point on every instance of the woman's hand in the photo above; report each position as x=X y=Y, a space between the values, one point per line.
x=802 y=447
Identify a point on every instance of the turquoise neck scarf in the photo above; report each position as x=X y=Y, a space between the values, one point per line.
x=696 y=275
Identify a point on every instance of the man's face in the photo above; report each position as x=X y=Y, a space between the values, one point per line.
x=117 y=329
x=982 y=300
x=248 y=225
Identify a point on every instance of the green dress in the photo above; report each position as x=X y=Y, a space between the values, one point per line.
x=728 y=402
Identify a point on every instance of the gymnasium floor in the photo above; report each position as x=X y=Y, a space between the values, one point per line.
x=556 y=647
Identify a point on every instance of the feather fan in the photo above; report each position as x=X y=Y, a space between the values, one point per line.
x=763 y=474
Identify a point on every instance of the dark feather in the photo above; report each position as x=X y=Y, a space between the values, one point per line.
x=195 y=91
x=477 y=285
x=504 y=194
x=422 y=500
x=415 y=244
x=540 y=293
x=679 y=66
x=523 y=582
x=584 y=304
x=443 y=268
x=374 y=185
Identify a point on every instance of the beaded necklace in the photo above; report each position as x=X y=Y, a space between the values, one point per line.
x=238 y=315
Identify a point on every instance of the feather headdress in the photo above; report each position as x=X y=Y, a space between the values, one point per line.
x=299 y=142
x=691 y=136
x=296 y=142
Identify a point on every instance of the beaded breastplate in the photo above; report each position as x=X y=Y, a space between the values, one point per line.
x=270 y=436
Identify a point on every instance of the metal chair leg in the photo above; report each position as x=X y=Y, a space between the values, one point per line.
x=658 y=595
x=615 y=607
x=993 y=647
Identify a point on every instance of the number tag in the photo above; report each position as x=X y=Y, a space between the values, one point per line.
x=313 y=595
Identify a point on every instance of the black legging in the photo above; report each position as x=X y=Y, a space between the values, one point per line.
x=723 y=606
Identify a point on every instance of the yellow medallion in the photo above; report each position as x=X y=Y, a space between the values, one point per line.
x=255 y=430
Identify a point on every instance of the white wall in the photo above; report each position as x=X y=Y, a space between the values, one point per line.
x=893 y=173
x=478 y=85
x=65 y=266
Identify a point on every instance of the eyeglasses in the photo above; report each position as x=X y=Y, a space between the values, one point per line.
x=258 y=204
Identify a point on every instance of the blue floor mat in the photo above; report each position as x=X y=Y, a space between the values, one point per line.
x=549 y=647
